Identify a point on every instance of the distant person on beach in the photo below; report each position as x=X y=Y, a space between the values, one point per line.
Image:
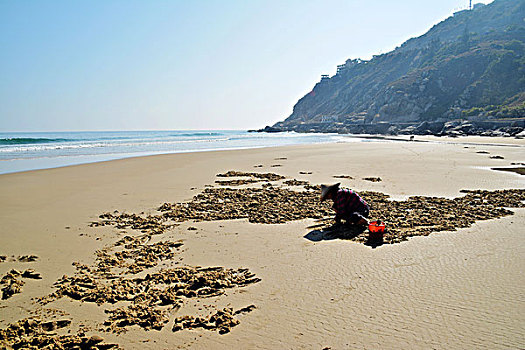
x=348 y=205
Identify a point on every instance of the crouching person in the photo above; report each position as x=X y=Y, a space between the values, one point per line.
x=348 y=205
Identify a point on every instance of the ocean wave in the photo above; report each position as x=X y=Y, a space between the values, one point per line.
x=28 y=140
x=198 y=134
x=65 y=146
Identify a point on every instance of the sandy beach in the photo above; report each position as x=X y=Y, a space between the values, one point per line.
x=253 y=278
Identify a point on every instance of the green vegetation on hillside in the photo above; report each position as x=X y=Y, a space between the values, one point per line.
x=512 y=108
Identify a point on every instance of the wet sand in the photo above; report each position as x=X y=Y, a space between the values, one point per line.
x=459 y=289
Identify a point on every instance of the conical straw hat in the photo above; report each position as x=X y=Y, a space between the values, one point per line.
x=326 y=189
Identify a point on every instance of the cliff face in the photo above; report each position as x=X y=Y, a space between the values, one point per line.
x=472 y=61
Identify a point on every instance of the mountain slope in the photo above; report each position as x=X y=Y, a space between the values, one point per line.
x=472 y=62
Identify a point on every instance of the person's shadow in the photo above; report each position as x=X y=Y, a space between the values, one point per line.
x=341 y=232
x=334 y=232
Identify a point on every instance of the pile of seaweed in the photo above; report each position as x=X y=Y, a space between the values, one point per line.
x=114 y=277
x=420 y=216
x=34 y=334
x=276 y=204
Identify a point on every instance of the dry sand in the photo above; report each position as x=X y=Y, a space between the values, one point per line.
x=459 y=289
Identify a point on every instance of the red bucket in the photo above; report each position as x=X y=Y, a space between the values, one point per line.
x=376 y=229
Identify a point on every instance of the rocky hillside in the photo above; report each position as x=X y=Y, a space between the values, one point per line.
x=471 y=65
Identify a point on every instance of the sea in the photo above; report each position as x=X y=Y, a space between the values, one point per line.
x=22 y=151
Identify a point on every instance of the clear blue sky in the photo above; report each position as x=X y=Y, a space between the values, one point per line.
x=141 y=65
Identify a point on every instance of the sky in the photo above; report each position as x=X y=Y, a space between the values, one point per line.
x=172 y=65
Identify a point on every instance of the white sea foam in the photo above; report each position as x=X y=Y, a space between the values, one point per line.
x=27 y=151
x=48 y=147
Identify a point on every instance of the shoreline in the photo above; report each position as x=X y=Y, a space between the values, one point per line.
x=51 y=150
x=329 y=293
x=462 y=140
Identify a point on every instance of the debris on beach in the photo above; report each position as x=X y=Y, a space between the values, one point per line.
x=136 y=256
x=268 y=205
x=295 y=182
x=12 y=281
x=271 y=204
x=151 y=224
x=222 y=320
x=12 y=284
x=517 y=170
x=113 y=278
x=245 y=309
x=238 y=182
x=20 y=258
x=251 y=178
x=420 y=216
x=145 y=316
x=497 y=157
x=33 y=333
x=165 y=287
x=372 y=179
x=27 y=258
x=30 y=273
x=343 y=177
x=264 y=176
x=416 y=216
